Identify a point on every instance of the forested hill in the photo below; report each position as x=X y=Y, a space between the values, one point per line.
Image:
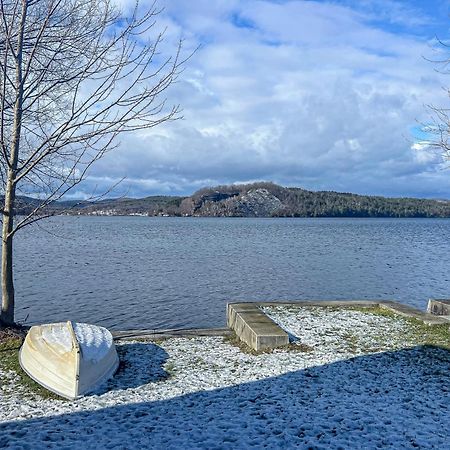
x=259 y=200
x=271 y=200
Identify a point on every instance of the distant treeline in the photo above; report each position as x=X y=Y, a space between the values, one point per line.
x=254 y=200
x=298 y=202
x=301 y=203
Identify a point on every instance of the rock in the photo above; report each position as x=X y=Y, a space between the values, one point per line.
x=258 y=203
x=253 y=203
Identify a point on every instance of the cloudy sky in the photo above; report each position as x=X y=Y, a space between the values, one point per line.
x=325 y=95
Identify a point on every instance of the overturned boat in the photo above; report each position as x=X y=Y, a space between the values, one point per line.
x=69 y=359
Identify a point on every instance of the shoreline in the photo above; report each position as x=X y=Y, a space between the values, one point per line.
x=354 y=378
x=390 y=305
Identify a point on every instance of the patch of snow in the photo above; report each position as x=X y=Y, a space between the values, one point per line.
x=95 y=342
x=58 y=333
x=204 y=393
x=341 y=330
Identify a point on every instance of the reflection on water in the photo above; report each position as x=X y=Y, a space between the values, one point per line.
x=139 y=272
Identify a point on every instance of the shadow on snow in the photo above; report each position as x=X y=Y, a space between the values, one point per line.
x=150 y=359
x=395 y=399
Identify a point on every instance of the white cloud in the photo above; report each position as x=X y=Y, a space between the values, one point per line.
x=307 y=93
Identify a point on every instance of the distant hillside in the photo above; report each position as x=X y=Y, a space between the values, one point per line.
x=148 y=206
x=271 y=200
x=257 y=200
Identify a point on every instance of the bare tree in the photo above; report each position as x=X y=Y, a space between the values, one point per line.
x=436 y=129
x=74 y=74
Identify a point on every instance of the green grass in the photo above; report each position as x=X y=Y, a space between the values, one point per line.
x=10 y=343
x=418 y=333
x=9 y=361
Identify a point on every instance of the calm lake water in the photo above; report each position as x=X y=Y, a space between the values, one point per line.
x=140 y=272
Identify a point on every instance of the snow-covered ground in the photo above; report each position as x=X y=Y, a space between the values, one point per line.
x=357 y=387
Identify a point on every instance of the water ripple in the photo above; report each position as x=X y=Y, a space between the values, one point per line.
x=136 y=272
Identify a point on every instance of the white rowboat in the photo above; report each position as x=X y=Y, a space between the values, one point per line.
x=69 y=359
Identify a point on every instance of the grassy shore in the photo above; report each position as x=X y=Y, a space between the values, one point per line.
x=414 y=333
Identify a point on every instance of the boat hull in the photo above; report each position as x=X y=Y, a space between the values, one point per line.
x=52 y=356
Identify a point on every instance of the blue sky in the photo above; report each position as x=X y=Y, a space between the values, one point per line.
x=325 y=95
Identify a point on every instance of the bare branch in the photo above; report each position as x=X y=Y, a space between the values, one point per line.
x=74 y=75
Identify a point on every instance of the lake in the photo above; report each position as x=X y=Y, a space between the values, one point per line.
x=150 y=272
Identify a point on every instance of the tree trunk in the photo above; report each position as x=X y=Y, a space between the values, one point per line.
x=7 y=312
